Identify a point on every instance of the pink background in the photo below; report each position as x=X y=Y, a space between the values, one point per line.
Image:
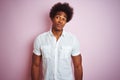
x=96 y=23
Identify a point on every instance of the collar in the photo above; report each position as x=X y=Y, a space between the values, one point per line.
x=51 y=33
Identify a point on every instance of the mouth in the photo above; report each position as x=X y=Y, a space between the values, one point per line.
x=59 y=25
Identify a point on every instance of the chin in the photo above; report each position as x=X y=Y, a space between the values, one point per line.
x=59 y=29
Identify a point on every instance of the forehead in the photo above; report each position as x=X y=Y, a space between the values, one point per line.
x=61 y=13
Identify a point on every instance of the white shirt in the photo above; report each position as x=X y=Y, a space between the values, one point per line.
x=56 y=55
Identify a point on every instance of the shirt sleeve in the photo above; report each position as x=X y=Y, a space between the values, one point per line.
x=76 y=47
x=36 y=47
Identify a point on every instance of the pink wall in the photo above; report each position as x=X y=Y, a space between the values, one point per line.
x=95 y=22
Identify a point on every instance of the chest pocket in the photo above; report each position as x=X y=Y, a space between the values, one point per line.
x=46 y=50
x=65 y=52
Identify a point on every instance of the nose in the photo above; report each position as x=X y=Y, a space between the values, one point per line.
x=60 y=20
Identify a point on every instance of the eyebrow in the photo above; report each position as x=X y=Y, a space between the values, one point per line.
x=64 y=15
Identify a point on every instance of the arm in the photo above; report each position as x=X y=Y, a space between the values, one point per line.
x=78 y=71
x=35 y=69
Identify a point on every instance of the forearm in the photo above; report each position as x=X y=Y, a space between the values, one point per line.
x=35 y=72
x=78 y=72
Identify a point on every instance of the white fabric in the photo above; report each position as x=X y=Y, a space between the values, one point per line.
x=56 y=55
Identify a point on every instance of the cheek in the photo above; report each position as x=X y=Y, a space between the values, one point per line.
x=64 y=23
x=55 y=21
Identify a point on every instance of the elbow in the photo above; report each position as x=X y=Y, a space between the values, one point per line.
x=78 y=67
x=35 y=65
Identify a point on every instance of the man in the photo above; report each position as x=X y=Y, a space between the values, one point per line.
x=57 y=49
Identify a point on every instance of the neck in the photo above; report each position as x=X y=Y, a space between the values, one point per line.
x=57 y=33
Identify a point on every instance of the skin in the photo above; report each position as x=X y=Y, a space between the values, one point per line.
x=35 y=69
x=78 y=70
x=59 y=22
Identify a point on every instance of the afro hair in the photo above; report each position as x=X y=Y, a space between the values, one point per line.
x=61 y=7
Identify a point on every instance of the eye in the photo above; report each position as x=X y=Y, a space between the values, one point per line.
x=64 y=19
x=57 y=17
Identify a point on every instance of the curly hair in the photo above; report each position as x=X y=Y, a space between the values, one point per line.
x=61 y=7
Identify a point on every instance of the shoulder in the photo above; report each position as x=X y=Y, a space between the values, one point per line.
x=70 y=35
x=42 y=36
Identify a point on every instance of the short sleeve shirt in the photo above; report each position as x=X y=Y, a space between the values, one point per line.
x=56 y=55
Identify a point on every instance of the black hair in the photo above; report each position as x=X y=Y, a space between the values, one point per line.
x=61 y=7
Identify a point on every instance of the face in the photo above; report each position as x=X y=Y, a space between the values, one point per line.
x=59 y=21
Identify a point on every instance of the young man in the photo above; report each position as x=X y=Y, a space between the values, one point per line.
x=57 y=49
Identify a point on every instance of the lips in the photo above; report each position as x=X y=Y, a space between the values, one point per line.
x=59 y=25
